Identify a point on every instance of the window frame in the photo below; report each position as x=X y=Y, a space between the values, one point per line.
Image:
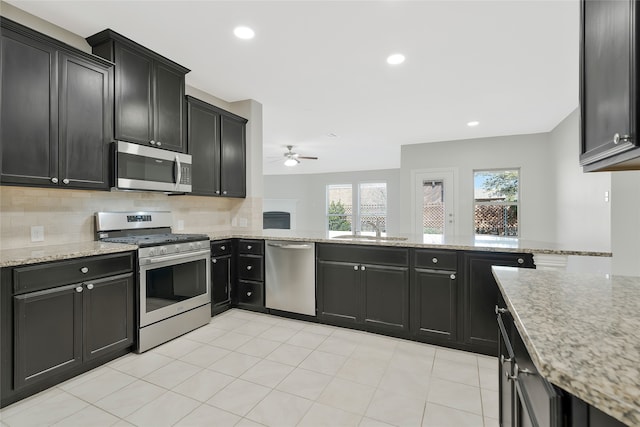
x=355 y=204
x=517 y=204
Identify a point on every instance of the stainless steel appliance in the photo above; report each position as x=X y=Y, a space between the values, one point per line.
x=139 y=167
x=290 y=277
x=174 y=273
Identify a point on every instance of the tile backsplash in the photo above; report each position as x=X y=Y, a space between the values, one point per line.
x=68 y=215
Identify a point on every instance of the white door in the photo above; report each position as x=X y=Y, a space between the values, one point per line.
x=434 y=196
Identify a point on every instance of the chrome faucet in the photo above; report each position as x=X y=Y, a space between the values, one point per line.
x=376 y=226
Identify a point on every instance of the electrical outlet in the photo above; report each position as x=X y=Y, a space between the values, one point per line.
x=234 y=222
x=37 y=233
x=180 y=224
x=243 y=222
x=606 y=196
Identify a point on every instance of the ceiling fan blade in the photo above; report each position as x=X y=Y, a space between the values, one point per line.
x=307 y=158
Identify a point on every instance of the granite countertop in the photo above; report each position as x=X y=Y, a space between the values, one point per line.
x=467 y=243
x=36 y=254
x=582 y=332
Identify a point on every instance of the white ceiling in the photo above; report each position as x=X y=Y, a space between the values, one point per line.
x=318 y=67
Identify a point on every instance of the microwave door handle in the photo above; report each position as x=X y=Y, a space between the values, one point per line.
x=178 y=172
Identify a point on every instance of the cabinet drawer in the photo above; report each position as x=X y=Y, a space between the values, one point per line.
x=435 y=259
x=250 y=267
x=250 y=293
x=380 y=255
x=44 y=276
x=221 y=247
x=253 y=247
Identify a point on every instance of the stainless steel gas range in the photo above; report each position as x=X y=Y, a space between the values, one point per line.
x=174 y=273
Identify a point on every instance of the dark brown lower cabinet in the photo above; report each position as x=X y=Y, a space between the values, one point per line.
x=481 y=295
x=434 y=305
x=363 y=287
x=250 y=274
x=50 y=334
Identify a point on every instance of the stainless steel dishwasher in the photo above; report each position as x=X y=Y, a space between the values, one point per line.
x=290 y=280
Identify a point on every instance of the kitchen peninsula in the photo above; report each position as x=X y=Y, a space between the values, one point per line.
x=581 y=331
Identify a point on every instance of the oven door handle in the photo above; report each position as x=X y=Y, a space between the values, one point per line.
x=189 y=255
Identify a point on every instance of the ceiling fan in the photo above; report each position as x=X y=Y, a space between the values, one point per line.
x=292 y=159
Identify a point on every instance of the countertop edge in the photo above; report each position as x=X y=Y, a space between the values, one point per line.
x=59 y=253
x=610 y=404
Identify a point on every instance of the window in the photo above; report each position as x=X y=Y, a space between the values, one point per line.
x=496 y=200
x=370 y=215
x=339 y=207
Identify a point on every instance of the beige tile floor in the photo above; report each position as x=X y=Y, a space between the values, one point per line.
x=250 y=369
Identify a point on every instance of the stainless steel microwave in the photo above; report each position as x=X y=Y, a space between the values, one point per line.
x=147 y=168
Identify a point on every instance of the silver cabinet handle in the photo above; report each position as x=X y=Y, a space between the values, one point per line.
x=65 y=181
x=248 y=246
x=511 y=377
x=54 y=180
x=525 y=372
x=452 y=277
x=355 y=267
x=84 y=270
x=214 y=260
x=159 y=143
x=249 y=267
x=152 y=142
x=249 y=294
x=217 y=191
x=618 y=139
x=90 y=286
x=520 y=261
x=500 y=310
x=362 y=267
x=224 y=192
x=79 y=289
x=434 y=260
x=222 y=248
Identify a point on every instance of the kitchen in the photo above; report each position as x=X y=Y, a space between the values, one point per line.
x=66 y=215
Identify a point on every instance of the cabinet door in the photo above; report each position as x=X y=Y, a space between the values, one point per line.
x=220 y=280
x=481 y=295
x=339 y=292
x=169 y=108
x=232 y=157
x=108 y=315
x=28 y=111
x=386 y=297
x=434 y=301
x=607 y=94
x=133 y=96
x=204 y=146
x=47 y=332
x=85 y=122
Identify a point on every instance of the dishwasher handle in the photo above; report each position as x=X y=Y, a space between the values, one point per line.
x=290 y=245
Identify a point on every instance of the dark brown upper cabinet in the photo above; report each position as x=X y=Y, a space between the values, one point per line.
x=149 y=93
x=217 y=144
x=608 y=85
x=56 y=112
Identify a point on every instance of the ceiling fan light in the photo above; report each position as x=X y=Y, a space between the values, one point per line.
x=290 y=162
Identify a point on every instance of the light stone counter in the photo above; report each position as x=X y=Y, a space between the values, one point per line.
x=36 y=254
x=471 y=243
x=582 y=332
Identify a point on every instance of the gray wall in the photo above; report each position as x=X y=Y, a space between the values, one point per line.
x=308 y=192
x=530 y=153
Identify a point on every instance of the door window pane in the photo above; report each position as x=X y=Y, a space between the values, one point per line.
x=433 y=207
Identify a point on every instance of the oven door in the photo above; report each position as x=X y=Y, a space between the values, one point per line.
x=172 y=284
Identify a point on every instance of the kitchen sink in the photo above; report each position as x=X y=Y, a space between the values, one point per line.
x=371 y=238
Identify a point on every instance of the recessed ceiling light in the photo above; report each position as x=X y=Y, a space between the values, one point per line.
x=473 y=123
x=395 y=59
x=332 y=135
x=244 y=33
